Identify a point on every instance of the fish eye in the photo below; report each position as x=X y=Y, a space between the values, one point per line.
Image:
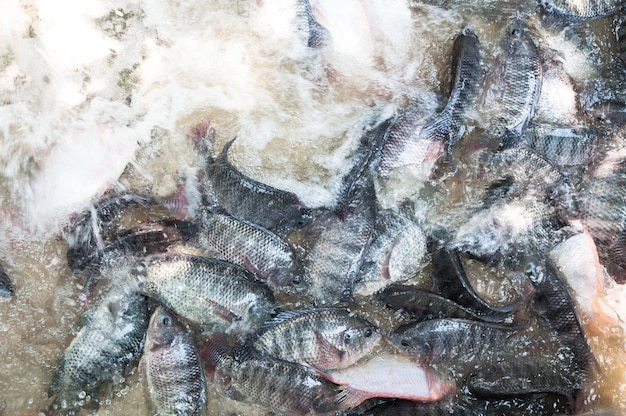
x=368 y=332
x=167 y=321
x=404 y=342
x=515 y=32
x=296 y=280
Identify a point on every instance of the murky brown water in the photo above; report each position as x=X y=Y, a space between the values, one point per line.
x=235 y=66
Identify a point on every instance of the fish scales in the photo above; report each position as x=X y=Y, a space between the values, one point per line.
x=259 y=250
x=583 y=9
x=209 y=292
x=564 y=146
x=451 y=340
x=110 y=340
x=467 y=74
x=321 y=338
x=522 y=79
x=244 y=197
x=6 y=288
x=174 y=373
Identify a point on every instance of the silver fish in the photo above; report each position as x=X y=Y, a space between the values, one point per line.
x=110 y=340
x=255 y=248
x=321 y=338
x=174 y=373
x=211 y=293
x=578 y=10
x=521 y=81
x=6 y=288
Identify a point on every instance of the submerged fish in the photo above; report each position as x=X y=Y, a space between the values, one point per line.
x=279 y=386
x=321 y=338
x=259 y=250
x=244 y=197
x=389 y=375
x=110 y=340
x=316 y=35
x=578 y=10
x=6 y=288
x=521 y=81
x=396 y=253
x=451 y=340
x=211 y=293
x=174 y=373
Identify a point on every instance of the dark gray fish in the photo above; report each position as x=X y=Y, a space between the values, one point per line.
x=255 y=248
x=579 y=10
x=324 y=339
x=244 y=197
x=603 y=211
x=6 y=288
x=423 y=305
x=174 y=372
x=556 y=306
x=466 y=405
x=563 y=146
x=452 y=341
x=279 y=386
x=518 y=377
x=620 y=36
x=452 y=283
x=317 y=36
x=467 y=75
x=211 y=293
x=521 y=81
x=396 y=253
x=110 y=340
x=611 y=112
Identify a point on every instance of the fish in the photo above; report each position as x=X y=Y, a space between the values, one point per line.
x=173 y=370
x=566 y=147
x=520 y=85
x=517 y=377
x=558 y=101
x=243 y=197
x=580 y=10
x=451 y=340
x=620 y=36
x=397 y=251
x=423 y=305
x=317 y=36
x=6 y=287
x=603 y=210
x=610 y=112
x=555 y=305
x=211 y=293
x=467 y=75
x=389 y=375
x=110 y=340
x=264 y=253
x=275 y=385
x=325 y=339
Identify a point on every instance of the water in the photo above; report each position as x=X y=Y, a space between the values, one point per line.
x=112 y=93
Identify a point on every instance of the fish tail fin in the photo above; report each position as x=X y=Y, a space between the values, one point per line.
x=349 y=398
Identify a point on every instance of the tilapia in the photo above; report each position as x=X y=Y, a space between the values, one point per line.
x=324 y=339
x=6 y=288
x=211 y=293
x=279 y=386
x=578 y=10
x=396 y=253
x=451 y=340
x=521 y=81
x=423 y=305
x=610 y=112
x=556 y=306
x=110 y=340
x=268 y=256
x=467 y=75
x=244 y=197
x=174 y=374
x=389 y=375
x=566 y=147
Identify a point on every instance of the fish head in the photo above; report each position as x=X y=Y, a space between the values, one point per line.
x=408 y=339
x=359 y=339
x=163 y=329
